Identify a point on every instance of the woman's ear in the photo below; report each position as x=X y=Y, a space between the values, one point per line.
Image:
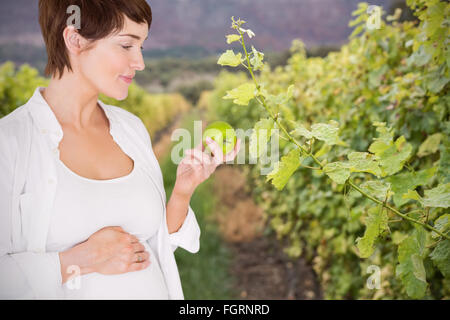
x=75 y=43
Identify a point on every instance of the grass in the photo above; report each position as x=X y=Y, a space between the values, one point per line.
x=204 y=275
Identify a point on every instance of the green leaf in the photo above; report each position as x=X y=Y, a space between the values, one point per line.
x=438 y=197
x=412 y=195
x=260 y=137
x=364 y=162
x=284 y=169
x=430 y=145
x=230 y=59
x=327 y=132
x=357 y=31
x=242 y=94
x=281 y=98
x=232 y=38
x=337 y=171
x=384 y=139
x=378 y=147
x=256 y=59
x=442 y=224
x=419 y=58
x=249 y=32
x=377 y=189
x=376 y=223
x=398 y=237
x=302 y=131
x=392 y=158
x=441 y=257
x=323 y=151
x=411 y=269
x=403 y=182
x=358 y=20
x=362 y=8
x=436 y=83
x=444 y=161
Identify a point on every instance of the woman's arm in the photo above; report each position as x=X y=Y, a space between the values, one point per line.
x=177 y=209
x=24 y=275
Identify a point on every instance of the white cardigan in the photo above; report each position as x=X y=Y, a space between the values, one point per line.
x=29 y=140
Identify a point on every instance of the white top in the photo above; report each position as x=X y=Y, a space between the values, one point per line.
x=29 y=154
x=83 y=206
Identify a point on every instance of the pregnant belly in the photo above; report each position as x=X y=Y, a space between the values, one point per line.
x=144 y=284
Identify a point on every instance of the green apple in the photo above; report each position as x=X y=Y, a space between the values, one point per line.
x=221 y=132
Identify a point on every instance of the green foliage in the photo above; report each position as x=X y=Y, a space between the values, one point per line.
x=17 y=86
x=384 y=98
x=377 y=222
x=230 y=59
x=242 y=94
x=403 y=182
x=411 y=269
x=285 y=168
x=260 y=136
x=441 y=257
x=192 y=92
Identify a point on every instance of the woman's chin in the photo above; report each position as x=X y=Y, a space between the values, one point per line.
x=119 y=94
x=122 y=97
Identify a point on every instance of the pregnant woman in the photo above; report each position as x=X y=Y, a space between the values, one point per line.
x=83 y=211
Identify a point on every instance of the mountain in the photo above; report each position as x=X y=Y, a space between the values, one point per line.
x=275 y=22
x=204 y=23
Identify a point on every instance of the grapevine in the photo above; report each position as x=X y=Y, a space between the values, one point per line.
x=385 y=158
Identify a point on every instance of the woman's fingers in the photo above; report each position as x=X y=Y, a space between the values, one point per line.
x=140 y=257
x=141 y=260
x=197 y=156
x=232 y=154
x=138 y=247
x=137 y=266
x=216 y=150
x=194 y=157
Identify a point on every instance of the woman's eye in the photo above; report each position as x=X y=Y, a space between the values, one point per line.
x=128 y=47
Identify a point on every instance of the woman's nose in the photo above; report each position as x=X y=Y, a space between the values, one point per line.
x=139 y=63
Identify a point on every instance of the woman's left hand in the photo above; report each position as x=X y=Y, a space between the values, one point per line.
x=197 y=165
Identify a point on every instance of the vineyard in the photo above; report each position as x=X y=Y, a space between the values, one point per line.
x=362 y=188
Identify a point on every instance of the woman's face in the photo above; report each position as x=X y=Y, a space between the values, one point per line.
x=112 y=63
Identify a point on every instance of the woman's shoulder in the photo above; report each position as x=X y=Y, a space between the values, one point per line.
x=14 y=129
x=15 y=117
x=14 y=124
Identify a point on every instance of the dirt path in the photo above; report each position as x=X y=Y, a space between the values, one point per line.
x=261 y=269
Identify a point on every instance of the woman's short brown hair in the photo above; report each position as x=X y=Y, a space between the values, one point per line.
x=99 y=18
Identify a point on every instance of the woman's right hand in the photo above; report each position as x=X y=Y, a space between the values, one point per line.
x=110 y=250
x=117 y=251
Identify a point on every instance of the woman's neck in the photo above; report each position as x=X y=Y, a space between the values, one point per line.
x=73 y=101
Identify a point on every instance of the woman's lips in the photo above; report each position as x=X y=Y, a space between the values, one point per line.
x=126 y=79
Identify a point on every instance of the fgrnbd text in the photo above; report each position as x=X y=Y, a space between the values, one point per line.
x=245 y=309
x=229 y=309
